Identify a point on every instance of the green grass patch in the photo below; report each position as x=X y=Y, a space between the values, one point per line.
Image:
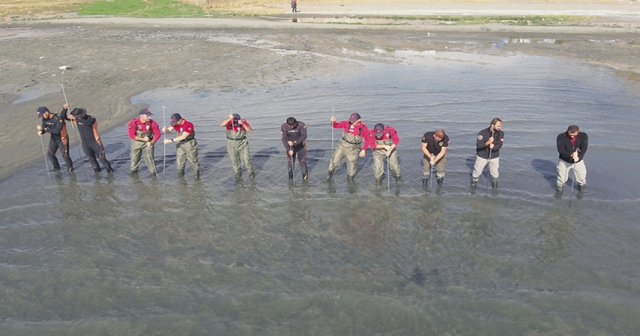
x=141 y=8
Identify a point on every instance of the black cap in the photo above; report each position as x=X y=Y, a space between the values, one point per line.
x=379 y=129
x=236 y=116
x=354 y=117
x=145 y=111
x=79 y=112
x=175 y=118
x=41 y=111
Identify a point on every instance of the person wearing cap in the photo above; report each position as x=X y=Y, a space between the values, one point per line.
x=54 y=124
x=488 y=146
x=237 y=143
x=352 y=144
x=383 y=140
x=434 y=149
x=90 y=138
x=294 y=139
x=144 y=132
x=186 y=144
x=572 y=146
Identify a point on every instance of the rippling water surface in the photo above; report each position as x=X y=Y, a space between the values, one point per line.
x=89 y=255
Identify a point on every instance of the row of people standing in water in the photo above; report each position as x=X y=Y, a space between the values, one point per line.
x=354 y=141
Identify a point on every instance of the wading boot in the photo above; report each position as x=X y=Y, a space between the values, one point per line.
x=379 y=182
x=198 y=174
x=329 y=176
x=580 y=191
x=425 y=180
x=440 y=180
x=180 y=172
x=559 y=191
x=474 y=182
x=350 y=179
x=494 y=184
x=398 y=180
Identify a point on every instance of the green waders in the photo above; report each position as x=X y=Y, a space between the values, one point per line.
x=350 y=146
x=238 y=148
x=137 y=148
x=379 y=156
x=187 y=150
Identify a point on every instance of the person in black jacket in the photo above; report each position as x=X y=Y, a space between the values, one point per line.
x=54 y=124
x=572 y=146
x=90 y=138
x=488 y=146
x=294 y=139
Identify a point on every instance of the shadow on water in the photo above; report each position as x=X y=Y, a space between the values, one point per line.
x=548 y=170
x=260 y=158
x=313 y=157
x=211 y=158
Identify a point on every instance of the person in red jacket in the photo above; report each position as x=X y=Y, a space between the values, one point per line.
x=384 y=140
x=144 y=132
x=352 y=144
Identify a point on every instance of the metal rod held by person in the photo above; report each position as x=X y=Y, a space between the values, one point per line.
x=74 y=134
x=333 y=113
x=46 y=165
x=388 y=176
x=573 y=168
x=164 y=145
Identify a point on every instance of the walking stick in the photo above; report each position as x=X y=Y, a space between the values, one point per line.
x=74 y=134
x=46 y=165
x=431 y=172
x=293 y=166
x=164 y=145
x=235 y=144
x=486 y=189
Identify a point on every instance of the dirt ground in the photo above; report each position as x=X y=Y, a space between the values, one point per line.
x=112 y=59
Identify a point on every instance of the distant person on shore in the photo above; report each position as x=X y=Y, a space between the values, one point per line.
x=384 y=140
x=144 y=132
x=572 y=146
x=294 y=6
x=91 y=142
x=294 y=139
x=488 y=144
x=434 y=148
x=352 y=144
x=237 y=143
x=186 y=144
x=54 y=124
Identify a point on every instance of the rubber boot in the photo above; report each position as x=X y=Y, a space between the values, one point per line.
x=290 y=168
x=398 y=179
x=559 y=191
x=329 y=176
x=198 y=174
x=440 y=180
x=379 y=182
x=180 y=172
x=425 y=180
x=581 y=188
x=350 y=179
x=494 y=184
x=474 y=182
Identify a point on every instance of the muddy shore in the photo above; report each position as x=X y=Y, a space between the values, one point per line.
x=110 y=60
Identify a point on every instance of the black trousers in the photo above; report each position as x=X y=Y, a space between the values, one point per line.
x=300 y=151
x=95 y=152
x=63 y=145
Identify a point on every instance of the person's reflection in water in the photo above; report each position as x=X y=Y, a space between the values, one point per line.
x=69 y=196
x=557 y=227
x=479 y=220
x=149 y=195
x=192 y=197
x=104 y=195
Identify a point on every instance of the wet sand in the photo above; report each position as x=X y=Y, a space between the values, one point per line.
x=113 y=59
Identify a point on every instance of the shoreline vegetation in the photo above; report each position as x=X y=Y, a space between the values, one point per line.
x=27 y=10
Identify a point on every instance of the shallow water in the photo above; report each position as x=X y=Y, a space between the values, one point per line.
x=81 y=254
